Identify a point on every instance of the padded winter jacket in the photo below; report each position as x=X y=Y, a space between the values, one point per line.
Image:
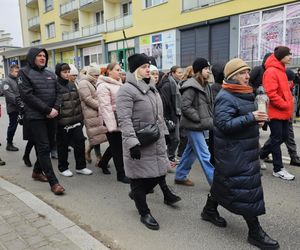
x=237 y=180
x=277 y=88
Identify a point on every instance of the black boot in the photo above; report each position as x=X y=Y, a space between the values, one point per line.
x=11 y=147
x=295 y=161
x=210 y=213
x=258 y=237
x=150 y=222
x=104 y=168
x=169 y=197
x=27 y=161
x=123 y=179
x=2 y=163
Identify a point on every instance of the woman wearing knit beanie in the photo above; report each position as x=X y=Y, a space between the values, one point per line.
x=197 y=119
x=237 y=180
x=139 y=105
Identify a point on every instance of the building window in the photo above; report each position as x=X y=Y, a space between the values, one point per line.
x=99 y=16
x=50 y=30
x=48 y=5
x=127 y=9
x=195 y=4
x=150 y=3
x=75 y=25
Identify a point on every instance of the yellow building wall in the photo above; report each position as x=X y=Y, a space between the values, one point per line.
x=49 y=17
x=169 y=15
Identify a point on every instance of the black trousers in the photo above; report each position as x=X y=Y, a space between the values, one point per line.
x=103 y=163
x=115 y=143
x=42 y=132
x=140 y=188
x=279 y=134
x=12 y=127
x=73 y=137
x=28 y=148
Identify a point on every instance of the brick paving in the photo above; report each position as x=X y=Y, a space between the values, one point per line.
x=23 y=228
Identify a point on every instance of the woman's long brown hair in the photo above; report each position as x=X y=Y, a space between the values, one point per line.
x=110 y=67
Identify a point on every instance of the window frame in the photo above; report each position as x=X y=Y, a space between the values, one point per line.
x=48 y=34
x=48 y=5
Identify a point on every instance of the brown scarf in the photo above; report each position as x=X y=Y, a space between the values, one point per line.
x=237 y=88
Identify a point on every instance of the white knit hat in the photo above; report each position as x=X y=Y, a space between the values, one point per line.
x=153 y=68
x=92 y=70
x=73 y=70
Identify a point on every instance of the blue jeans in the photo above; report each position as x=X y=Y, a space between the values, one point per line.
x=196 y=146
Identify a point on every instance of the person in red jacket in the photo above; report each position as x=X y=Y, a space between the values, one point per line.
x=280 y=110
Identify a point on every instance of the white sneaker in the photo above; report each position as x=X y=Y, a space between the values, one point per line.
x=262 y=165
x=66 y=173
x=84 y=171
x=284 y=174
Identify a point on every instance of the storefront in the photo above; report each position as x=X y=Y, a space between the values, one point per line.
x=261 y=31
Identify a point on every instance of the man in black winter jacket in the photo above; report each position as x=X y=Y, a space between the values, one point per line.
x=40 y=92
x=14 y=104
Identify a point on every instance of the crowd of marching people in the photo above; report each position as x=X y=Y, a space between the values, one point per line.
x=157 y=123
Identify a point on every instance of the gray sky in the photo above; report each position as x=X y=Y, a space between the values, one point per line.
x=10 y=20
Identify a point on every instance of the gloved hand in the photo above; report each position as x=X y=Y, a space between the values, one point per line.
x=135 y=152
x=167 y=138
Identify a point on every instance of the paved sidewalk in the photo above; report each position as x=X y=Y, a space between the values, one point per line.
x=28 y=223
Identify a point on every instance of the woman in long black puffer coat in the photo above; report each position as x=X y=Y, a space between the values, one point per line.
x=237 y=179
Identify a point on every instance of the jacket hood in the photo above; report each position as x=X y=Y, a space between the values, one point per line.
x=191 y=83
x=32 y=53
x=107 y=79
x=218 y=72
x=141 y=85
x=265 y=59
x=272 y=61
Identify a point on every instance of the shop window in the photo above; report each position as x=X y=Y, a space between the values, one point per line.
x=86 y=60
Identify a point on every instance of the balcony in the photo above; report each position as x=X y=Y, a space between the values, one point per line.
x=118 y=23
x=93 y=29
x=91 y=5
x=34 y=23
x=70 y=35
x=32 y=3
x=196 y=4
x=69 y=10
x=36 y=42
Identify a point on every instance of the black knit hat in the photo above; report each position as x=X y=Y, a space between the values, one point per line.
x=137 y=60
x=281 y=51
x=60 y=67
x=199 y=64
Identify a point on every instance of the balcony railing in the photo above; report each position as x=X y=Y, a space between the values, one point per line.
x=195 y=4
x=118 y=23
x=68 y=7
x=93 y=29
x=34 y=21
x=31 y=1
x=36 y=42
x=70 y=35
x=85 y=2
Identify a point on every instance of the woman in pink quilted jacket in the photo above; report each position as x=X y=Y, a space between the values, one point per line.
x=107 y=89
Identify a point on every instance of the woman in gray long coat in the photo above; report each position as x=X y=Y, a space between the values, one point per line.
x=139 y=104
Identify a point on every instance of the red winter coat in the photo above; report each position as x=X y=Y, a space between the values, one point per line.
x=277 y=88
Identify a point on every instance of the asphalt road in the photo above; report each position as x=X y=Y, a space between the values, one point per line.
x=100 y=205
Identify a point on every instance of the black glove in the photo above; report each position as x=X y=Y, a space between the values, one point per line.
x=167 y=138
x=135 y=152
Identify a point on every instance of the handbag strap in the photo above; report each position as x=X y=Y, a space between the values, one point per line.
x=155 y=113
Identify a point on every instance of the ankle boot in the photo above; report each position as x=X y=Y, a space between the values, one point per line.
x=258 y=237
x=210 y=213
x=295 y=161
x=11 y=147
x=27 y=161
x=169 y=197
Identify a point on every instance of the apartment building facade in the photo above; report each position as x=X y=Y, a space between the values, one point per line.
x=173 y=31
